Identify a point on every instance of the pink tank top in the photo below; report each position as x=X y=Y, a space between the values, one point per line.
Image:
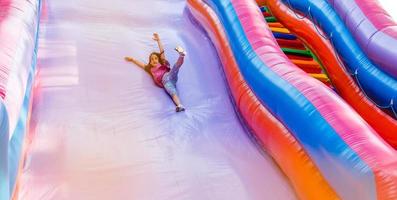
x=158 y=72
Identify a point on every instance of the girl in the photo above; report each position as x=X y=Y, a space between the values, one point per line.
x=159 y=68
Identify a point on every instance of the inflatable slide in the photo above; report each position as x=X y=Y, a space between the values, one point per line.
x=284 y=100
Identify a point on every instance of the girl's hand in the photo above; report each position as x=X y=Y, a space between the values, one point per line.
x=156 y=37
x=129 y=59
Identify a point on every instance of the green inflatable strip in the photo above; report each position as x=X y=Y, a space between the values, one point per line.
x=297 y=52
x=271 y=19
x=320 y=63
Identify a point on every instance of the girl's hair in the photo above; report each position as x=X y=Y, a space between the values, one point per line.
x=149 y=66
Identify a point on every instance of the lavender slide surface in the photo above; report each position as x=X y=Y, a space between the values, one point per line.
x=102 y=130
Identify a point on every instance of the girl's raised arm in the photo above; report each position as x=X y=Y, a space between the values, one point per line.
x=136 y=62
x=156 y=38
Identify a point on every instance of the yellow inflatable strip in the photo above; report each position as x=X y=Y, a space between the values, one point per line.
x=279 y=30
x=321 y=77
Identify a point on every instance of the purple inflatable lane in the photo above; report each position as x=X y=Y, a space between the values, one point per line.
x=373 y=28
x=102 y=130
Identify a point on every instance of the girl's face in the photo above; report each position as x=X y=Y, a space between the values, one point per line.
x=154 y=60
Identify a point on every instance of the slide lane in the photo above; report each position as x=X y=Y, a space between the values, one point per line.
x=101 y=129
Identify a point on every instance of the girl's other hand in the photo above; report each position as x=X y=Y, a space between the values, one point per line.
x=156 y=37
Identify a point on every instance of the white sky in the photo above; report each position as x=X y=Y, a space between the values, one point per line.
x=391 y=7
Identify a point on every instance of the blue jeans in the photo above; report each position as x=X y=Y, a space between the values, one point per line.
x=170 y=78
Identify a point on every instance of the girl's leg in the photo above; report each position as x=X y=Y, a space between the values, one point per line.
x=176 y=99
x=175 y=69
x=170 y=88
x=179 y=62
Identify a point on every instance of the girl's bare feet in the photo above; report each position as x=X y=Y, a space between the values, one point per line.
x=179 y=108
x=180 y=50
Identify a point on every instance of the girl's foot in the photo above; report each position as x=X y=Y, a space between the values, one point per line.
x=180 y=50
x=179 y=108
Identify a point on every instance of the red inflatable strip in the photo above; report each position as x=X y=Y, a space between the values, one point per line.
x=309 y=66
x=290 y=43
x=296 y=57
x=266 y=14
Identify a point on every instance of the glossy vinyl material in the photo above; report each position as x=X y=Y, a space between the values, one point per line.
x=18 y=27
x=18 y=30
x=274 y=137
x=351 y=156
x=373 y=28
x=347 y=88
x=378 y=85
x=100 y=128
